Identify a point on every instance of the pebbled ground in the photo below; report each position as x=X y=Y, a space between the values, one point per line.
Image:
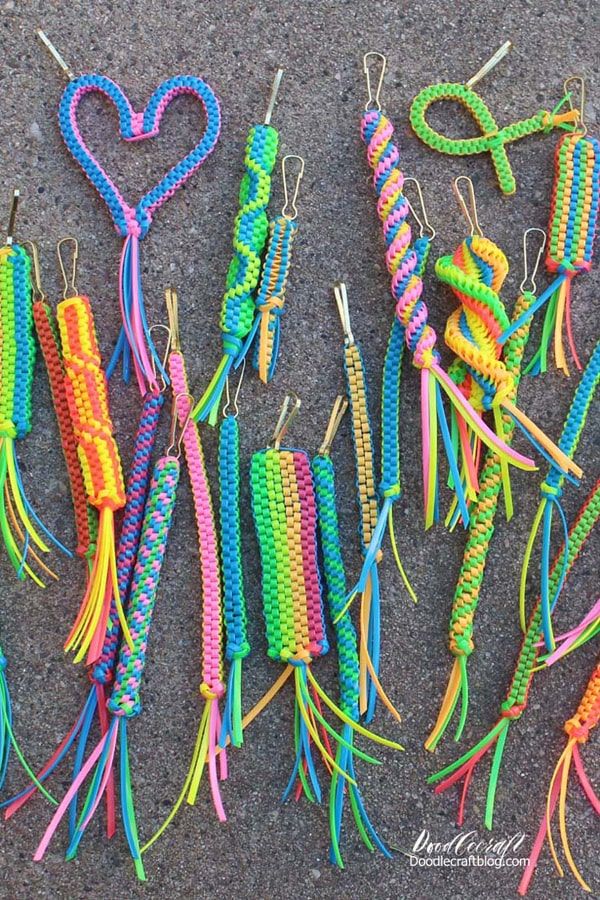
x=267 y=850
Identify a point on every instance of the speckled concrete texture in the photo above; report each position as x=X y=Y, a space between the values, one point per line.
x=267 y=850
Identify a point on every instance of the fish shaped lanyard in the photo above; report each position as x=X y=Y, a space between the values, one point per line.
x=475 y=273
x=285 y=518
x=572 y=230
x=493 y=139
x=518 y=694
x=124 y=701
x=87 y=397
x=102 y=673
x=411 y=311
x=483 y=510
x=20 y=525
x=346 y=642
x=250 y=233
x=578 y=730
x=135 y=345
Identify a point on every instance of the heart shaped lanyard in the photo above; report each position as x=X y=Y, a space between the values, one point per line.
x=135 y=343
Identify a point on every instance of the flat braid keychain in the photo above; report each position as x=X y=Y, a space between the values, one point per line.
x=133 y=222
x=402 y=263
x=368 y=585
x=577 y=729
x=483 y=510
x=493 y=139
x=102 y=673
x=475 y=273
x=285 y=516
x=206 y=753
x=87 y=395
x=572 y=231
x=346 y=642
x=250 y=233
x=517 y=696
x=124 y=701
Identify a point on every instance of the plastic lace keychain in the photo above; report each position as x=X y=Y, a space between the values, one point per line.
x=390 y=486
x=250 y=233
x=124 y=702
x=20 y=526
x=578 y=730
x=285 y=516
x=572 y=230
x=475 y=273
x=270 y=297
x=347 y=646
x=102 y=673
x=46 y=327
x=368 y=507
x=411 y=311
x=493 y=140
x=87 y=396
x=237 y=647
x=132 y=223
x=551 y=491
x=482 y=513
x=212 y=688
x=518 y=693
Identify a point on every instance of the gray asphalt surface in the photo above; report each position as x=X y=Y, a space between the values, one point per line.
x=267 y=850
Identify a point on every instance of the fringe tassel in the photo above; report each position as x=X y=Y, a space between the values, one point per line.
x=464 y=768
x=557 y=794
x=135 y=338
x=347 y=787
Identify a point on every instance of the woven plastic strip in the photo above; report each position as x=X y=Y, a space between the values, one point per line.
x=572 y=231
x=348 y=662
x=124 y=701
x=212 y=688
x=493 y=140
x=132 y=222
x=371 y=523
x=249 y=238
x=87 y=395
x=102 y=672
x=388 y=179
x=270 y=297
x=578 y=730
x=20 y=526
x=283 y=504
x=47 y=333
x=237 y=647
x=475 y=274
x=518 y=693
x=481 y=531
x=551 y=492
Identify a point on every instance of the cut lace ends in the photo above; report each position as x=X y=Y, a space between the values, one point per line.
x=557 y=795
x=458 y=688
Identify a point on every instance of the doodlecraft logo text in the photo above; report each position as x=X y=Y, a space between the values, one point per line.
x=467 y=849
